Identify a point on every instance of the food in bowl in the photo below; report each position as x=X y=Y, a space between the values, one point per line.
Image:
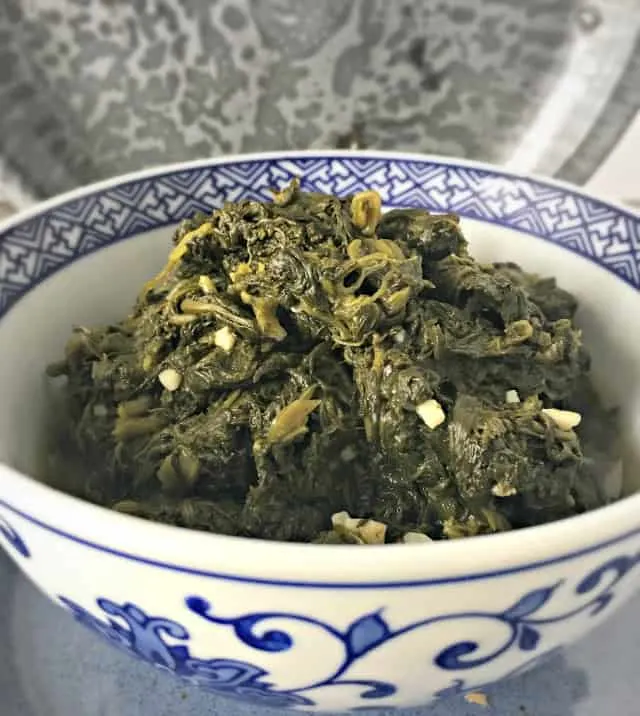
x=312 y=369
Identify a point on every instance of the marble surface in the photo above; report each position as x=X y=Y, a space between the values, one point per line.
x=51 y=666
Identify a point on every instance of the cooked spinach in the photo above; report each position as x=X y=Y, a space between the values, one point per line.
x=311 y=369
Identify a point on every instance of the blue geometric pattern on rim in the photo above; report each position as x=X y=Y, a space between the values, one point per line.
x=36 y=248
x=521 y=625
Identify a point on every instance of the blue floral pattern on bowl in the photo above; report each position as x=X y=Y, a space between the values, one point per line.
x=128 y=627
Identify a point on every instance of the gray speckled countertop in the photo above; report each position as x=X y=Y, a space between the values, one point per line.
x=93 y=89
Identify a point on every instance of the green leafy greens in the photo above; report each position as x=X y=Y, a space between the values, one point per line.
x=300 y=361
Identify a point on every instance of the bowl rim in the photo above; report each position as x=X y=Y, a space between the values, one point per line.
x=301 y=564
x=159 y=170
x=293 y=564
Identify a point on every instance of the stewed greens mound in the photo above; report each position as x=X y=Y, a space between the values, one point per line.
x=311 y=369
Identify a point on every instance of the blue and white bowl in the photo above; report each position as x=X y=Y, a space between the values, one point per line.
x=308 y=626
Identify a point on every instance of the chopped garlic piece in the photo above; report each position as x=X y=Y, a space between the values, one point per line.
x=476 y=697
x=225 y=338
x=512 y=396
x=100 y=411
x=564 y=419
x=502 y=490
x=415 y=537
x=206 y=284
x=431 y=413
x=340 y=519
x=372 y=532
x=348 y=454
x=365 y=530
x=170 y=379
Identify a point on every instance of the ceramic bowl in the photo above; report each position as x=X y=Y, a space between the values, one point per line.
x=307 y=626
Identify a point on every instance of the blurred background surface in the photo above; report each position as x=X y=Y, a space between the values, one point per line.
x=93 y=88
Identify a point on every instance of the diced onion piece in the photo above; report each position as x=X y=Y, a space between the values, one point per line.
x=511 y=396
x=431 y=413
x=415 y=537
x=225 y=338
x=170 y=379
x=564 y=419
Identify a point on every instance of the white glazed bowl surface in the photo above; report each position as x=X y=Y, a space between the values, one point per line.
x=307 y=626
